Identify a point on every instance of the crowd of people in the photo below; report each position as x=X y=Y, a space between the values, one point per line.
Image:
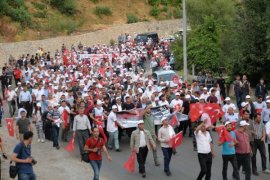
x=92 y=84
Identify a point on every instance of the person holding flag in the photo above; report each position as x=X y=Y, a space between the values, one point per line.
x=150 y=126
x=228 y=153
x=64 y=110
x=205 y=151
x=141 y=141
x=165 y=133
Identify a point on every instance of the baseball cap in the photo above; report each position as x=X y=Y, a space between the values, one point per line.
x=243 y=104
x=267 y=97
x=227 y=122
x=227 y=99
x=114 y=107
x=267 y=101
x=247 y=96
x=164 y=118
x=140 y=122
x=177 y=94
x=187 y=96
x=243 y=123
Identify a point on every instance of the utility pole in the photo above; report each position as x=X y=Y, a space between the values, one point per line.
x=185 y=40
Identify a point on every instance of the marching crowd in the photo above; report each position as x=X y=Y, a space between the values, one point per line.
x=79 y=98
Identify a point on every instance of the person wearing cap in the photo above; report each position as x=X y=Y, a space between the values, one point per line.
x=261 y=89
x=25 y=100
x=176 y=103
x=244 y=107
x=228 y=104
x=243 y=149
x=165 y=133
x=23 y=125
x=267 y=132
x=11 y=101
x=37 y=119
x=185 y=110
x=259 y=141
x=259 y=105
x=205 y=94
x=65 y=127
x=231 y=116
x=163 y=101
x=141 y=141
x=228 y=153
x=251 y=107
x=266 y=112
x=205 y=151
x=54 y=116
x=112 y=129
x=150 y=126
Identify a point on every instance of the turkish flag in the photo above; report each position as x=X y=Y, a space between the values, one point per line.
x=100 y=128
x=196 y=110
x=176 y=140
x=65 y=118
x=214 y=110
x=173 y=121
x=70 y=146
x=130 y=163
x=234 y=125
x=224 y=135
x=10 y=126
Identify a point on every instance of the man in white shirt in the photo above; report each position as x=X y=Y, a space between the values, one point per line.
x=205 y=94
x=228 y=104
x=11 y=101
x=231 y=115
x=112 y=129
x=267 y=129
x=176 y=103
x=266 y=112
x=259 y=105
x=205 y=151
x=25 y=100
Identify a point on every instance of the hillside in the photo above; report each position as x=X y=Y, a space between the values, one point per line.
x=38 y=19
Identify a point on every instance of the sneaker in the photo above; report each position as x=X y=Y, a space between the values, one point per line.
x=157 y=164
x=168 y=173
x=42 y=140
x=266 y=171
x=58 y=147
x=255 y=173
x=118 y=150
x=143 y=175
x=39 y=140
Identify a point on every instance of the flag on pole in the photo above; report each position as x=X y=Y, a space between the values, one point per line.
x=70 y=146
x=224 y=135
x=65 y=118
x=100 y=128
x=196 y=110
x=173 y=121
x=130 y=163
x=176 y=140
x=10 y=126
x=214 y=110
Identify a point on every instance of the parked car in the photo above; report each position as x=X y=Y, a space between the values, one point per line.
x=163 y=75
x=143 y=38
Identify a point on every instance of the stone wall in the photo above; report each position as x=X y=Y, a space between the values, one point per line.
x=163 y=28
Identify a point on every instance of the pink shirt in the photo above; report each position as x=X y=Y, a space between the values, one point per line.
x=243 y=146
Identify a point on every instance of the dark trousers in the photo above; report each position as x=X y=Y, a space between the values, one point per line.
x=259 y=145
x=233 y=161
x=55 y=135
x=167 y=153
x=82 y=136
x=141 y=158
x=205 y=161
x=269 y=152
x=244 y=160
x=26 y=105
x=183 y=127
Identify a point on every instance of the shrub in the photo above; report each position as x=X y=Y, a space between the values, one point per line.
x=155 y=11
x=131 y=18
x=177 y=12
x=154 y=2
x=41 y=14
x=21 y=15
x=165 y=9
x=103 y=10
x=67 y=7
x=39 y=6
x=95 y=1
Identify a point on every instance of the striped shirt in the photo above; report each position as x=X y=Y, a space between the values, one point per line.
x=259 y=129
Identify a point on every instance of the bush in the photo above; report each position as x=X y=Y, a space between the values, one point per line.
x=103 y=10
x=131 y=18
x=155 y=11
x=57 y=24
x=112 y=42
x=41 y=14
x=154 y=2
x=95 y=1
x=39 y=6
x=177 y=12
x=165 y=9
x=21 y=15
x=67 y=7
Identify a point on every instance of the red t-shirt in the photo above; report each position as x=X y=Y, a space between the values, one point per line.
x=90 y=143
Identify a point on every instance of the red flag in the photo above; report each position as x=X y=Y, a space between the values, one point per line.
x=10 y=126
x=100 y=128
x=234 y=125
x=258 y=111
x=224 y=135
x=130 y=163
x=65 y=118
x=73 y=80
x=214 y=110
x=196 y=111
x=70 y=147
x=173 y=121
x=176 y=140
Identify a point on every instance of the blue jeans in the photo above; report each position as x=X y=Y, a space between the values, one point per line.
x=55 y=134
x=167 y=153
x=96 y=165
x=22 y=176
x=113 y=137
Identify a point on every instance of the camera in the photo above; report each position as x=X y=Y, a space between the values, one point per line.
x=34 y=161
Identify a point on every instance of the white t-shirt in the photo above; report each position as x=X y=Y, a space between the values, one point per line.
x=260 y=106
x=267 y=129
x=142 y=139
x=161 y=103
x=203 y=142
x=11 y=95
x=232 y=118
x=176 y=102
x=111 y=122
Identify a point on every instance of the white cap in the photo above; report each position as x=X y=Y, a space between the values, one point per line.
x=99 y=102
x=118 y=97
x=267 y=97
x=140 y=122
x=114 y=107
x=55 y=104
x=227 y=122
x=227 y=99
x=267 y=101
x=205 y=88
x=38 y=104
x=177 y=94
x=247 y=96
x=243 y=104
x=187 y=96
x=163 y=118
x=243 y=123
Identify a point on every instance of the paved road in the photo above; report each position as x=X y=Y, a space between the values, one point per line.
x=59 y=164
